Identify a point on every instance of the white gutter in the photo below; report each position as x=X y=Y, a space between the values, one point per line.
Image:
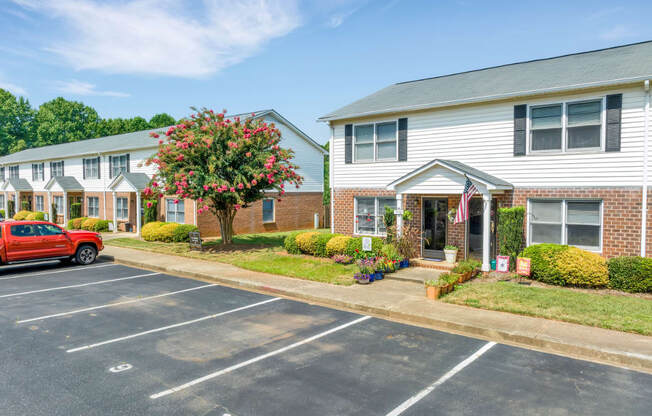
x=330 y=177
x=646 y=136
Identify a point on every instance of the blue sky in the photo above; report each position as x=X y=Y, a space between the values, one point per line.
x=302 y=58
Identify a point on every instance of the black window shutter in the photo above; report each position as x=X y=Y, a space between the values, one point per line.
x=614 y=110
x=348 y=143
x=51 y=173
x=110 y=166
x=84 y=163
x=128 y=169
x=63 y=172
x=42 y=171
x=402 y=139
x=99 y=168
x=520 y=121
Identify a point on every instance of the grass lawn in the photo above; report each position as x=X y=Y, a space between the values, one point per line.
x=258 y=252
x=623 y=313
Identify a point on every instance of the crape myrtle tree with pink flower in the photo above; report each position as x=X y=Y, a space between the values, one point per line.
x=225 y=165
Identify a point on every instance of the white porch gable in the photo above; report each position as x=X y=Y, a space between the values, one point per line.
x=129 y=182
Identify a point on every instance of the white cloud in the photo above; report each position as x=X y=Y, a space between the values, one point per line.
x=76 y=87
x=164 y=37
x=13 y=88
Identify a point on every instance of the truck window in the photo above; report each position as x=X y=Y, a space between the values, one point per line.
x=24 y=230
x=48 y=229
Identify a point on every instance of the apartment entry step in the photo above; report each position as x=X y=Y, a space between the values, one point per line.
x=433 y=264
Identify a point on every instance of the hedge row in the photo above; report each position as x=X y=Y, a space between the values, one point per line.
x=89 y=224
x=167 y=232
x=571 y=266
x=327 y=244
x=29 y=216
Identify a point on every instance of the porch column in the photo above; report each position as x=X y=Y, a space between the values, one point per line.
x=138 y=209
x=65 y=208
x=399 y=217
x=6 y=205
x=50 y=207
x=115 y=211
x=486 y=222
x=17 y=203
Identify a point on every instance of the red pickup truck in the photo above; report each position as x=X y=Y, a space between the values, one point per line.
x=29 y=241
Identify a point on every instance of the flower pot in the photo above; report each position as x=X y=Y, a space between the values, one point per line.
x=363 y=279
x=467 y=276
x=432 y=292
x=372 y=277
x=379 y=276
x=451 y=255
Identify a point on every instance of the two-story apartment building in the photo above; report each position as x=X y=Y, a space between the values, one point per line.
x=108 y=175
x=565 y=137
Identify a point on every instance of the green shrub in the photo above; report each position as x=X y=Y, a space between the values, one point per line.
x=150 y=230
x=180 y=234
x=579 y=267
x=389 y=251
x=631 y=274
x=101 y=226
x=306 y=243
x=337 y=245
x=542 y=262
x=21 y=215
x=320 y=242
x=355 y=243
x=75 y=210
x=150 y=213
x=510 y=232
x=53 y=210
x=25 y=206
x=76 y=224
x=2 y=213
x=89 y=224
x=36 y=216
x=166 y=232
x=290 y=243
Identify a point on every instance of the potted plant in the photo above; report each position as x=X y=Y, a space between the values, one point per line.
x=433 y=289
x=366 y=271
x=379 y=269
x=451 y=253
x=362 y=278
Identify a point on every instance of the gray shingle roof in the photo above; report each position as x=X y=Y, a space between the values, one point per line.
x=67 y=183
x=121 y=142
x=610 y=66
x=19 y=184
x=473 y=173
x=138 y=180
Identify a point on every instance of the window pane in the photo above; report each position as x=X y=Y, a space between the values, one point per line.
x=584 y=136
x=583 y=213
x=546 y=211
x=584 y=235
x=364 y=151
x=549 y=139
x=23 y=230
x=268 y=210
x=47 y=229
x=364 y=134
x=365 y=215
x=382 y=203
x=584 y=113
x=386 y=132
x=386 y=150
x=546 y=233
x=546 y=117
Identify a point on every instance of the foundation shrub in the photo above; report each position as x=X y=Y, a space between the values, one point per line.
x=180 y=234
x=2 y=213
x=542 y=262
x=166 y=232
x=337 y=245
x=320 y=242
x=21 y=215
x=354 y=246
x=306 y=243
x=36 y=216
x=76 y=224
x=150 y=230
x=101 y=226
x=510 y=232
x=89 y=224
x=579 y=267
x=290 y=243
x=631 y=274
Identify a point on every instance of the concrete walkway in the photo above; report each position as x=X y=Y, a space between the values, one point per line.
x=405 y=301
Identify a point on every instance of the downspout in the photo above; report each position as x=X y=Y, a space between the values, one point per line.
x=330 y=177
x=646 y=136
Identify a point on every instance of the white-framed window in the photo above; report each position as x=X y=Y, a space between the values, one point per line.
x=2 y=202
x=566 y=221
x=58 y=204
x=14 y=172
x=2 y=174
x=39 y=204
x=56 y=169
x=38 y=172
x=93 y=206
x=119 y=164
x=375 y=142
x=567 y=126
x=369 y=213
x=268 y=210
x=92 y=168
x=122 y=208
x=175 y=212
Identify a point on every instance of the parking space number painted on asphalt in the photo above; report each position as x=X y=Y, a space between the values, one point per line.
x=120 y=368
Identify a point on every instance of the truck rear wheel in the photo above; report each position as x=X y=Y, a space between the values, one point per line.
x=86 y=254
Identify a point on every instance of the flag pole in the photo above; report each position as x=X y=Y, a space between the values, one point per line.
x=466 y=227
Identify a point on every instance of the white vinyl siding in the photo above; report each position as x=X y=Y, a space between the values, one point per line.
x=38 y=203
x=122 y=209
x=573 y=222
x=482 y=136
x=369 y=214
x=175 y=212
x=93 y=206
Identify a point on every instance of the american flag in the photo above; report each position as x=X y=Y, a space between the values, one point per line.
x=463 y=210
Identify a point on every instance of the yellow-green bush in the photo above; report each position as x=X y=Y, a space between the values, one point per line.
x=21 y=215
x=337 y=245
x=166 y=232
x=306 y=242
x=582 y=268
x=89 y=224
x=150 y=229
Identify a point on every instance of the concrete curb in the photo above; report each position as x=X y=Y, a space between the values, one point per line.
x=585 y=352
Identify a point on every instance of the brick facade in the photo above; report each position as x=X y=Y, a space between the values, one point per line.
x=621 y=213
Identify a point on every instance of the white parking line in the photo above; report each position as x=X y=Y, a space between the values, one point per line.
x=423 y=393
x=109 y=305
x=151 y=331
x=256 y=359
x=67 y=269
x=79 y=285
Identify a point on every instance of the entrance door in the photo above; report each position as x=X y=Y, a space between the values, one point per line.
x=434 y=227
x=476 y=229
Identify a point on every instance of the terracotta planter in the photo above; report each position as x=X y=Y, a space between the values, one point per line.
x=467 y=276
x=432 y=292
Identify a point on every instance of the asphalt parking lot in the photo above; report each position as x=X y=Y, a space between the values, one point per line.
x=112 y=340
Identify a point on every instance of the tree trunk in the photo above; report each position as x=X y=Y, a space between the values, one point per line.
x=226 y=217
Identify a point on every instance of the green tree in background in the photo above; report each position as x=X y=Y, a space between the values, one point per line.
x=16 y=123
x=137 y=124
x=63 y=121
x=161 y=120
